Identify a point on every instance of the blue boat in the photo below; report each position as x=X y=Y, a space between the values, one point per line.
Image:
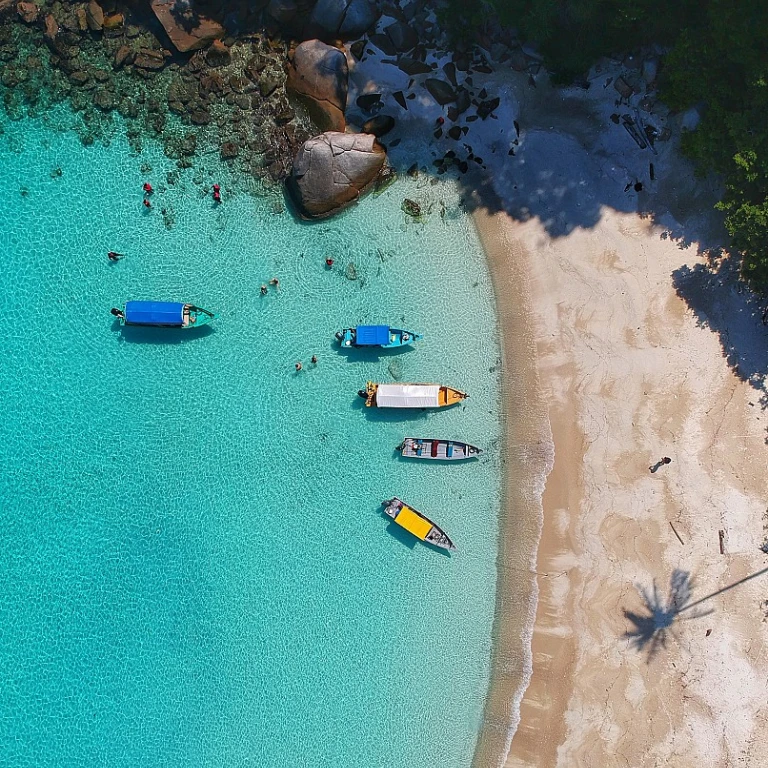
x=376 y=336
x=162 y=314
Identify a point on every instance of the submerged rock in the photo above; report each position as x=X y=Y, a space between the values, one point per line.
x=332 y=170
x=379 y=125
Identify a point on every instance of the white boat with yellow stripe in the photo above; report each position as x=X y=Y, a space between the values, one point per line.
x=417 y=524
x=410 y=395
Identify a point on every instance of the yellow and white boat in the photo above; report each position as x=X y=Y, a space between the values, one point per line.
x=410 y=395
x=417 y=524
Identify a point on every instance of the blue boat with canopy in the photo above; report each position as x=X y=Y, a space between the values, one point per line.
x=162 y=314
x=376 y=336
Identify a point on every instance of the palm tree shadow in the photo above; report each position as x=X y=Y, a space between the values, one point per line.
x=651 y=629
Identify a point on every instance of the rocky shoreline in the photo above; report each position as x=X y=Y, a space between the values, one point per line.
x=254 y=81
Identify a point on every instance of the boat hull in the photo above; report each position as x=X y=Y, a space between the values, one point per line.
x=417 y=524
x=348 y=338
x=411 y=395
x=189 y=316
x=437 y=450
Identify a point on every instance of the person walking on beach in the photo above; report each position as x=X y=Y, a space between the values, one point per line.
x=661 y=462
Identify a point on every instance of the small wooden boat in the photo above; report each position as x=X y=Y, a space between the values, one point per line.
x=431 y=448
x=162 y=314
x=376 y=336
x=417 y=524
x=410 y=395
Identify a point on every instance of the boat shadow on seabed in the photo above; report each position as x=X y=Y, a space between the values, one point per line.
x=139 y=335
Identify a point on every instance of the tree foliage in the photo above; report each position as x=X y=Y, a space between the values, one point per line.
x=717 y=61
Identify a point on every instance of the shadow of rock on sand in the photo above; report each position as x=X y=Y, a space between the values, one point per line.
x=651 y=629
x=722 y=302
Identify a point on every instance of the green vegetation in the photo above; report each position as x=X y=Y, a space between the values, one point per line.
x=717 y=60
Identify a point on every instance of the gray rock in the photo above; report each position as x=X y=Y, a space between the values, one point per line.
x=442 y=92
x=319 y=74
x=332 y=170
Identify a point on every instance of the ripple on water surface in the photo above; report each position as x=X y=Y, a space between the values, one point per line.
x=196 y=570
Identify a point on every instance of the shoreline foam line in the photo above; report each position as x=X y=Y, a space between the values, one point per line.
x=527 y=443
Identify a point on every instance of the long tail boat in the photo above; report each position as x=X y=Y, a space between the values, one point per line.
x=417 y=524
x=410 y=395
x=162 y=314
x=376 y=336
x=441 y=450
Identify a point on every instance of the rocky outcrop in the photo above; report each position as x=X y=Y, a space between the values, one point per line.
x=319 y=74
x=186 y=28
x=332 y=170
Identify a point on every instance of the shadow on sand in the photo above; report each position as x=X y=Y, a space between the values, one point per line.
x=651 y=629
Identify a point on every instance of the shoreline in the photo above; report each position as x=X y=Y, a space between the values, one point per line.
x=527 y=441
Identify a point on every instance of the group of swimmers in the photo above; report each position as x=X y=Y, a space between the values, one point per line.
x=300 y=367
x=148 y=190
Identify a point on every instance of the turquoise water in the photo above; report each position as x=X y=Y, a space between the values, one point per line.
x=195 y=569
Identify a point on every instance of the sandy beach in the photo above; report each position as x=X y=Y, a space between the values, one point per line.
x=650 y=640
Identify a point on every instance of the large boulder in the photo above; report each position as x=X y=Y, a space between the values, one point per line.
x=94 y=16
x=186 y=28
x=332 y=170
x=319 y=74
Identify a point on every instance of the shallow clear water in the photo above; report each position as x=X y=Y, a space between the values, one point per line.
x=195 y=568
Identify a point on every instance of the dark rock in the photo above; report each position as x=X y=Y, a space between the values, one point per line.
x=218 y=55
x=441 y=91
x=450 y=72
x=243 y=100
x=403 y=37
x=28 y=12
x=212 y=83
x=384 y=44
x=357 y=49
x=104 y=99
x=200 y=117
x=80 y=77
x=319 y=74
x=100 y=75
x=486 y=107
x=463 y=100
x=268 y=85
x=332 y=170
x=181 y=91
x=186 y=28
x=368 y=101
x=229 y=150
x=454 y=132
x=379 y=125
x=94 y=15
x=123 y=55
x=518 y=60
x=399 y=97
x=413 y=67
x=462 y=61
x=147 y=58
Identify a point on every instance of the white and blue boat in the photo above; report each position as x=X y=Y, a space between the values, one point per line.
x=162 y=314
x=376 y=336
